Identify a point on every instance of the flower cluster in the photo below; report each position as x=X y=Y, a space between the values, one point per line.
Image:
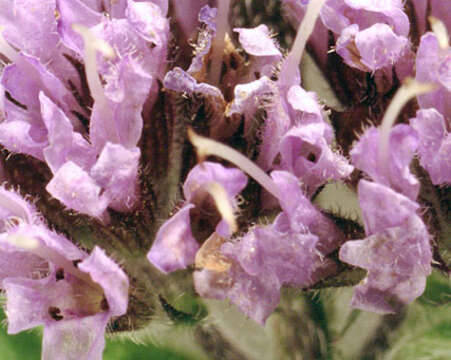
x=111 y=101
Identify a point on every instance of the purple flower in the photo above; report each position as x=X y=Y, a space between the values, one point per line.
x=221 y=277
x=396 y=251
x=403 y=142
x=49 y=281
x=371 y=34
x=253 y=268
x=371 y=49
x=258 y=43
x=45 y=120
x=435 y=144
x=306 y=154
x=175 y=246
x=433 y=64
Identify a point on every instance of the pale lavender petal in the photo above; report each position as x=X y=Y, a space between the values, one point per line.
x=207 y=16
x=383 y=207
x=76 y=189
x=435 y=144
x=126 y=94
x=265 y=252
x=233 y=180
x=116 y=171
x=338 y=14
x=396 y=252
x=29 y=27
x=110 y=277
x=433 y=64
x=87 y=338
x=25 y=302
x=371 y=49
x=33 y=30
x=181 y=81
x=187 y=14
x=74 y=12
x=150 y=22
x=250 y=97
x=258 y=43
x=307 y=155
x=13 y=205
x=305 y=109
x=27 y=77
x=126 y=42
x=17 y=136
x=174 y=247
x=403 y=143
x=21 y=264
x=64 y=144
x=255 y=297
x=301 y=216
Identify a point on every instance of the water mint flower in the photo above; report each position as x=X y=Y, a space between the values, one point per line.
x=434 y=145
x=49 y=281
x=175 y=246
x=258 y=43
x=403 y=143
x=433 y=64
x=396 y=251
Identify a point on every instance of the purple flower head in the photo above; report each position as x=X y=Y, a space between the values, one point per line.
x=175 y=246
x=433 y=64
x=396 y=251
x=49 y=281
x=435 y=144
x=403 y=142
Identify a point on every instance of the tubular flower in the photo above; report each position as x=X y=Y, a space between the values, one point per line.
x=49 y=281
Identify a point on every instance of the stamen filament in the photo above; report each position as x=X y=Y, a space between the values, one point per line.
x=6 y=49
x=293 y=60
x=206 y=147
x=407 y=91
x=218 y=45
x=225 y=208
x=33 y=246
x=93 y=44
x=439 y=29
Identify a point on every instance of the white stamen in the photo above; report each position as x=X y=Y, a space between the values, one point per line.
x=23 y=242
x=407 y=91
x=439 y=29
x=224 y=206
x=206 y=147
x=305 y=29
x=6 y=49
x=218 y=45
x=93 y=44
x=33 y=246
